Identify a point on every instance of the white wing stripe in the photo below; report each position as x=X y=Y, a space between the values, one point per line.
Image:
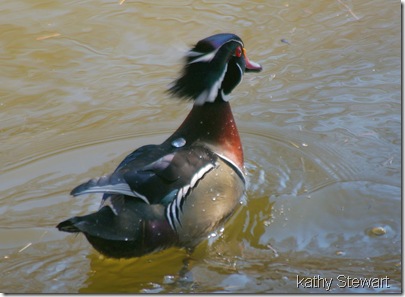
x=170 y=218
x=239 y=171
x=174 y=209
x=122 y=188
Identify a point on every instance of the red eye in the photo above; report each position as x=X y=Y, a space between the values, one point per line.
x=238 y=52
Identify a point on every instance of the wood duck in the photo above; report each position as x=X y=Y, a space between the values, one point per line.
x=178 y=192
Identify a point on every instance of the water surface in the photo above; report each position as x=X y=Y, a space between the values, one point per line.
x=84 y=84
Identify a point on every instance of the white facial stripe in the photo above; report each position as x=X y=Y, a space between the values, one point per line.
x=207 y=57
x=211 y=94
x=201 y=98
x=225 y=97
x=194 y=54
x=241 y=73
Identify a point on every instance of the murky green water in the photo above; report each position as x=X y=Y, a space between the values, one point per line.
x=83 y=84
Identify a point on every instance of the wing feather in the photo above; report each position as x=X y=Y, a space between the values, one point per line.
x=155 y=174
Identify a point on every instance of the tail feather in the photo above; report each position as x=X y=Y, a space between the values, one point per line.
x=128 y=234
x=105 y=224
x=69 y=226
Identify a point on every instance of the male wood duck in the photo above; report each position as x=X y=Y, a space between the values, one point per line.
x=178 y=192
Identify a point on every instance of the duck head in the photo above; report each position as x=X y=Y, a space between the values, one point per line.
x=213 y=68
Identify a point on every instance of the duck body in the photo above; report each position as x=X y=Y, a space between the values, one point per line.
x=178 y=192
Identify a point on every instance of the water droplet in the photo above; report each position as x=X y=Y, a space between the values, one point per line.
x=179 y=142
x=168 y=279
x=213 y=234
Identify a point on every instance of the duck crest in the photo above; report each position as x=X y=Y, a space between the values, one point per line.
x=212 y=69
